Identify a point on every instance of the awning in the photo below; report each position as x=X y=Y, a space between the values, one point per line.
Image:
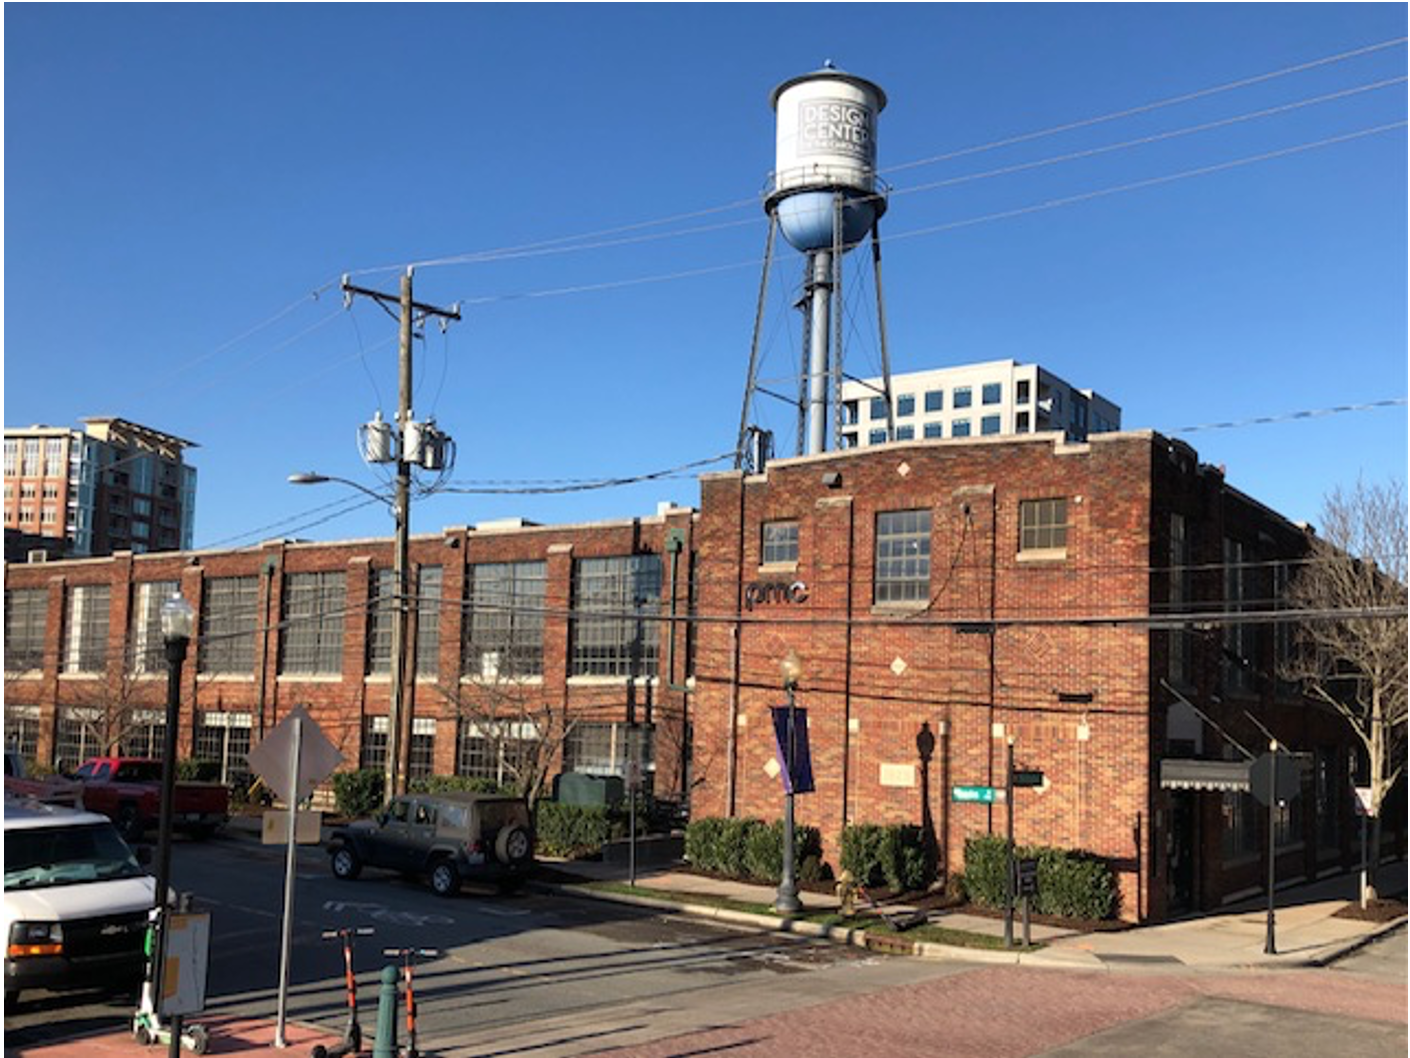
x=1223 y=775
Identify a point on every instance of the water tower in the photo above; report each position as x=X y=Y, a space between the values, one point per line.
x=824 y=196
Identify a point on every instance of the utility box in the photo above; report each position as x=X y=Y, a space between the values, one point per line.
x=577 y=788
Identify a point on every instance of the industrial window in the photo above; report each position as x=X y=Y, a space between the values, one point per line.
x=906 y=404
x=428 y=620
x=86 y=647
x=25 y=613
x=78 y=735
x=381 y=611
x=311 y=639
x=147 y=648
x=503 y=632
x=375 y=740
x=989 y=425
x=1042 y=525
x=959 y=428
x=902 y=556
x=964 y=397
x=22 y=730
x=143 y=733
x=878 y=408
x=1021 y=391
x=780 y=543
x=381 y=617
x=934 y=429
x=607 y=748
x=877 y=437
x=992 y=393
x=500 y=751
x=615 y=601
x=935 y=400
x=224 y=739
x=229 y=608
x=905 y=433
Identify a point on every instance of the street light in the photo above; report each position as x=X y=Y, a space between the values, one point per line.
x=786 y=900
x=399 y=725
x=178 y=621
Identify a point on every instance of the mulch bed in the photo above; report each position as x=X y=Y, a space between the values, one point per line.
x=1374 y=911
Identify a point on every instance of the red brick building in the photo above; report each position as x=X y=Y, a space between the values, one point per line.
x=1083 y=601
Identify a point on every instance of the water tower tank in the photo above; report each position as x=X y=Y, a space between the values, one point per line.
x=826 y=143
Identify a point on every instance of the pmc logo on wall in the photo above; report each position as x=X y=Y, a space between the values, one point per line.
x=771 y=591
x=835 y=126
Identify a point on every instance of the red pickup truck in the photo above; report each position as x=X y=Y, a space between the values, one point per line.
x=128 y=790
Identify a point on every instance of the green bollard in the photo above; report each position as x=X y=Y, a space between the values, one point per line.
x=386 y=1045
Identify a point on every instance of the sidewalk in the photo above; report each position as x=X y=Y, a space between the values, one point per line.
x=1306 y=933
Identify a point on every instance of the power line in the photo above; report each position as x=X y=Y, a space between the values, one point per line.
x=1294 y=416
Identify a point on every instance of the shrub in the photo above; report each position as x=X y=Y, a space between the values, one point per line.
x=439 y=784
x=894 y=854
x=701 y=837
x=571 y=830
x=192 y=770
x=358 y=793
x=1071 y=883
x=749 y=848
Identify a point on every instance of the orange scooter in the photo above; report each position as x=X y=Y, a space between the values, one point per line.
x=408 y=957
x=352 y=1035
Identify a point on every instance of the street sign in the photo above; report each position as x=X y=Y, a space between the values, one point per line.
x=1363 y=801
x=1279 y=770
x=1027 y=777
x=984 y=795
x=1027 y=877
x=184 y=964
x=271 y=760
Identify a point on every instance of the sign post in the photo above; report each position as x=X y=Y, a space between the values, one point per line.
x=1272 y=778
x=293 y=758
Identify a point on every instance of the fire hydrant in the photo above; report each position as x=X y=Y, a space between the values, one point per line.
x=847 y=894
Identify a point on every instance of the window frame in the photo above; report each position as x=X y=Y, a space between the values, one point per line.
x=902 y=540
x=311 y=626
x=779 y=552
x=1041 y=537
x=504 y=617
x=602 y=633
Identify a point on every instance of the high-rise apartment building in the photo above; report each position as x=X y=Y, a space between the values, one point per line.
x=997 y=397
x=112 y=486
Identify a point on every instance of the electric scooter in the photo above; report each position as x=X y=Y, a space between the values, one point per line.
x=352 y=1035
x=147 y=1026
x=408 y=957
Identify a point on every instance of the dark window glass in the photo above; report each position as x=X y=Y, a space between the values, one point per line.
x=935 y=400
x=934 y=429
x=989 y=425
x=905 y=405
x=993 y=393
x=229 y=609
x=905 y=433
x=959 y=428
x=878 y=408
x=964 y=397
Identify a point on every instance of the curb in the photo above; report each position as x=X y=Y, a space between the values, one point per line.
x=1351 y=947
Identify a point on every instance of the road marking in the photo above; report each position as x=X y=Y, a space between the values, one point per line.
x=389 y=915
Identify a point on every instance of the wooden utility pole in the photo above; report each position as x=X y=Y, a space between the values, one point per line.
x=401 y=708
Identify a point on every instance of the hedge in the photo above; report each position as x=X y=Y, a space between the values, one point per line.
x=752 y=849
x=439 y=784
x=571 y=830
x=896 y=855
x=1071 y=883
x=358 y=793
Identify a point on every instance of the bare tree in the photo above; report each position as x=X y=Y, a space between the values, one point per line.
x=1356 y=663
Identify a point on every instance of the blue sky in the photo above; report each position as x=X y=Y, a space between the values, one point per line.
x=180 y=179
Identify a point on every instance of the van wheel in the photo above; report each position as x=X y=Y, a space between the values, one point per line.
x=445 y=879
x=512 y=845
x=345 y=864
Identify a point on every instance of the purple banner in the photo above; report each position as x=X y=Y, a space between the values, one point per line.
x=794 y=760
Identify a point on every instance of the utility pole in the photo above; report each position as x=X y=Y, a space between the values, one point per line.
x=408 y=452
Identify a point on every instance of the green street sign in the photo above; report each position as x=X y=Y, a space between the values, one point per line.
x=1027 y=777
x=984 y=795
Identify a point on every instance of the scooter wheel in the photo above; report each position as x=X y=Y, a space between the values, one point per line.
x=197 y=1039
x=141 y=1035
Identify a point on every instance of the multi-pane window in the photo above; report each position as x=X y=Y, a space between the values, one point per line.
x=615 y=601
x=607 y=748
x=902 y=556
x=375 y=740
x=143 y=733
x=992 y=393
x=964 y=397
x=780 y=543
x=86 y=639
x=53 y=457
x=905 y=404
x=1042 y=525
x=148 y=654
x=959 y=428
x=905 y=433
x=878 y=408
x=1238 y=636
x=229 y=611
x=380 y=618
x=25 y=613
x=989 y=425
x=31 y=458
x=1181 y=643
x=12 y=451
x=503 y=632
x=311 y=641
x=934 y=429
x=77 y=736
x=499 y=751
x=224 y=739
x=428 y=620
x=22 y=730
x=935 y=400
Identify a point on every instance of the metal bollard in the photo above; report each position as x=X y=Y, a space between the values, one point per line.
x=386 y=1045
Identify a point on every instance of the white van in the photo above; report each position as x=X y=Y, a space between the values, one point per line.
x=76 y=900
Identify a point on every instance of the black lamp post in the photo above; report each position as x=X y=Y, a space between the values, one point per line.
x=178 y=621
x=786 y=900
